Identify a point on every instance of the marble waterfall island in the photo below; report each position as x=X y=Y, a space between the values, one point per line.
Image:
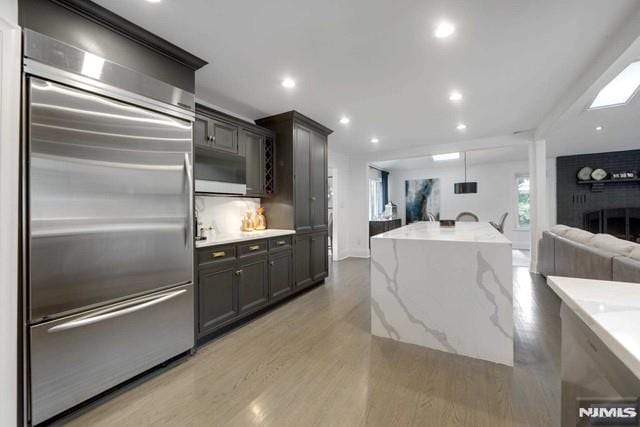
x=449 y=289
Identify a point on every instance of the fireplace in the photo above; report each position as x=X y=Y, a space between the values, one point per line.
x=623 y=223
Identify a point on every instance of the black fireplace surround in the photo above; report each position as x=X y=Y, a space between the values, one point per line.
x=614 y=208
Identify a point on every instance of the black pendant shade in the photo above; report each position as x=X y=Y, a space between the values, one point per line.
x=465 y=187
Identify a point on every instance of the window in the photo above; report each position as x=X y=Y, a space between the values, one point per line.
x=523 y=194
x=376 y=206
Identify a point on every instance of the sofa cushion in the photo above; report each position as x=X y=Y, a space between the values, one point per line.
x=578 y=235
x=609 y=243
x=635 y=253
x=560 y=229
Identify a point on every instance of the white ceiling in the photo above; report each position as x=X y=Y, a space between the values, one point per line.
x=377 y=61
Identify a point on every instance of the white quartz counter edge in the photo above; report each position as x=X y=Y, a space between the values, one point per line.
x=221 y=239
x=481 y=232
x=610 y=309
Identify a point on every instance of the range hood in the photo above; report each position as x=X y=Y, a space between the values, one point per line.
x=217 y=172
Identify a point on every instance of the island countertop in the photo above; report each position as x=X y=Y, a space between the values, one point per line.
x=610 y=309
x=462 y=232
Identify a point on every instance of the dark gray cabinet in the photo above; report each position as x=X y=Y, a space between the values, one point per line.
x=215 y=130
x=302 y=258
x=217 y=134
x=318 y=204
x=253 y=146
x=238 y=279
x=302 y=179
x=319 y=256
x=217 y=296
x=280 y=274
x=252 y=283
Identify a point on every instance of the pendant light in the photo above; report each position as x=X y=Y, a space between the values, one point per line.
x=465 y=187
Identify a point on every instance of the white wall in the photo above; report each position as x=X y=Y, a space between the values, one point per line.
x=9 y=143
x=496 y=193
x=225 y=214
x=339 y=170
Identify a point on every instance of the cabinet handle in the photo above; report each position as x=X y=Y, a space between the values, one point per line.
x=272 y=263
x=218 y=254
x=281 y=242
x=313 y=198
x=238 y=272
x=254 y=248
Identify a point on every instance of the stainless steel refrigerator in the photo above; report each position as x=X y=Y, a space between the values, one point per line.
x=110 y=246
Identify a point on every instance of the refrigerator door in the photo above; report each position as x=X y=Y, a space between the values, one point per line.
x=80 y=356
x=110 y=194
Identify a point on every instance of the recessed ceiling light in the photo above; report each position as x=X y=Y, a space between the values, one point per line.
x=461 y=126
x=444 y=30
x=619 y=90
x=345 y=120
x=289 y=83
x=153 y=1
x=599 y=128
x=446 y=156
x=375 y=140
x=455 y=96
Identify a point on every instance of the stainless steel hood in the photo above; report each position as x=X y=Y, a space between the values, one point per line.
x=218 y=172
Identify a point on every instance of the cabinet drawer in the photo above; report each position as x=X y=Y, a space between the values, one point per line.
x=216 y=254
x=254 y=247
x=282 y=242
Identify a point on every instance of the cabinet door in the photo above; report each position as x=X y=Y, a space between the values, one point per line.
x=253 y=147
x=318 y=173
x=280 y=274
x=200 y=135
x=217 y=296
x=302 y=179
x=302 y=261
x=252 y=283
x=223 y=135
x=319 y=256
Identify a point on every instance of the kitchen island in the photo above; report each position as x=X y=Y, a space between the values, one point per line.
x=449 y=289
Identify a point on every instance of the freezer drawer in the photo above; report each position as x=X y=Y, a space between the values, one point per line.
x=80 y=356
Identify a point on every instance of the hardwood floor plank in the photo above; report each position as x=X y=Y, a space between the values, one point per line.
x=313 y=362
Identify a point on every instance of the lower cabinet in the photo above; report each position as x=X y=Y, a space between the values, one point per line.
x=280 y=274
x=217 y=296
x=253 y=290
x=311 y=258
x=236 y=280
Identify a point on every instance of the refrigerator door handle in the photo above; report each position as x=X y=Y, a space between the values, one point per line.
x=116 y=311
x=188 y=225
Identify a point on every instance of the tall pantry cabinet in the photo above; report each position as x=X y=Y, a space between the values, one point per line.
x=301 y=200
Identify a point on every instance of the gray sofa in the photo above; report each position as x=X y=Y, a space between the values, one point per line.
x=566 y=251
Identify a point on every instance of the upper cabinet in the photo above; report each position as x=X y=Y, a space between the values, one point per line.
x=214 y=130
x=301 y=173
x=217 y=134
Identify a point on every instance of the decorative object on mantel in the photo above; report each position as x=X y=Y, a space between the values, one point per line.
x=599 y=174
x=584 y=174
x=624 y=175
x=259 y=222
x=447 y=223
x=422 y=199
x=465 y=187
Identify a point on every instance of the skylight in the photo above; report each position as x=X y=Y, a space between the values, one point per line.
x=447 y=156
x=619 y=90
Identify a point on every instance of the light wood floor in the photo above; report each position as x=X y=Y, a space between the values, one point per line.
x=313 y=362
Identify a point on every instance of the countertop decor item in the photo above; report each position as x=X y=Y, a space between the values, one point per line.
x=259 y=221
x=247 y=221
x=599 y=174
x=584 y=174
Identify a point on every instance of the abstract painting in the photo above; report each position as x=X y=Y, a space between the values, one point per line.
x=422 y=198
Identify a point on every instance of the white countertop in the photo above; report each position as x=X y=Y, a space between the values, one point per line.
x=610 y=309
x=220 y=239
x=462 y=232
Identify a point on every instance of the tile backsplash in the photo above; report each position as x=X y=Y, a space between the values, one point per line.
x=224 y=213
